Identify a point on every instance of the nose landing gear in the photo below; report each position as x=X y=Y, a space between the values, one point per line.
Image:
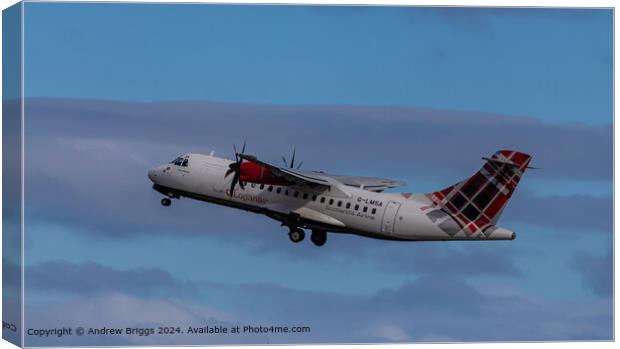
x=167 y=193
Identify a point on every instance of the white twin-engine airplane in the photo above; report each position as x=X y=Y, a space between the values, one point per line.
x=323 y=203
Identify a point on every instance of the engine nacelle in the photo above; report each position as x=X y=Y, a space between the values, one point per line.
x=255 y=173
x=497 y=233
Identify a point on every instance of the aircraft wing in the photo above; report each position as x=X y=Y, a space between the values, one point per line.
x=294 y=177
x=314 y=178
x=369 y=183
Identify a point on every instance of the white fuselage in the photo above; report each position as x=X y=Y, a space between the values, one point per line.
x=343 y=208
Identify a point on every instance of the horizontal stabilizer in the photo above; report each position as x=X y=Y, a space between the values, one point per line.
x=507 y=162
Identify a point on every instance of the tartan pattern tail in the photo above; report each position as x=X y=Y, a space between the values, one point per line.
x=478 y=201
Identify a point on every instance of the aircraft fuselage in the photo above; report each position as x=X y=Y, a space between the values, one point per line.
x=341 y=208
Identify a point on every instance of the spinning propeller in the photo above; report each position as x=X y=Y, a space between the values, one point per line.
x=292 y=164
x=236 y=168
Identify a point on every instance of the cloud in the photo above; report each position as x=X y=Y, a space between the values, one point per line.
x=429 y=308
x=100 y=187
x=87 y=160
x=121 y=311
x=571 y=213
x=92 y=278
x=407 y=140
x=449 y=307
x=596 y=272
x=11 y=273
x=438 y=257
x=482 y=258
x=389 y=332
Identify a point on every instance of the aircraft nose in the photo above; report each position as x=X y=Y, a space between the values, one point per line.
x=152 y=175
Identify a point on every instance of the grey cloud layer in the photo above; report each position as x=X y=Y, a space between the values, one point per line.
x=87 y=160
x=426 y=309
x=413 y=140
x=428 y=258
x=572 y=213
x=92 y=278
x=596 y=272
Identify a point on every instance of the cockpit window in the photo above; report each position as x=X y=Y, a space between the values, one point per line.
x=181 y=161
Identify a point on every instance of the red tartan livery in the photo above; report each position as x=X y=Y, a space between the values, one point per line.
x=477 y=202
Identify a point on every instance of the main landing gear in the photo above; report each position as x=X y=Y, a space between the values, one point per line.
x=166 y=202
x=296 y=235
x=318 y=237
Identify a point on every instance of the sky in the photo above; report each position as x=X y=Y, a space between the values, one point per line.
x=414 y=94
x=549 y=63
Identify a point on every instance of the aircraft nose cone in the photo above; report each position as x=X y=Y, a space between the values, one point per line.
x=152 y=175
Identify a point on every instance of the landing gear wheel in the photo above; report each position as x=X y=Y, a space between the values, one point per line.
x=296 y=235
x=319 y=237
x=166 y=202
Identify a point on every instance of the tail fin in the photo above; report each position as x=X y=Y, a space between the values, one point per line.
x=479 y=201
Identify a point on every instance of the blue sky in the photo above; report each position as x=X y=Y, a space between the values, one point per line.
x=417 y=94
x=551 y=64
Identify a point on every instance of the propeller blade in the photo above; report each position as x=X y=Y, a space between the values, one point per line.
x=232 y=167
x=236 y=168
x=298 y=166
x=284 y=159
x=234 y=183
x=293 y=158
x=235 y=149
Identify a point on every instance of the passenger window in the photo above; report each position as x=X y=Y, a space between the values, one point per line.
x=339 y=203
x=296 y=193
x=279 y=190
x=305 y=196
x=331 y=201
x=286 y=192
x=348 y=205
x=322 y=199
x=357 y=207
x=313 y=197
x=270 y=188
x=262 y=186
x=374 y=210
x=365 y=208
